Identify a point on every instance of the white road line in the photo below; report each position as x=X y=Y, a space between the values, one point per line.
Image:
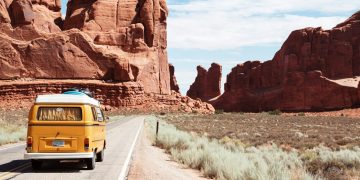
x=125 y=167
x=10 y=147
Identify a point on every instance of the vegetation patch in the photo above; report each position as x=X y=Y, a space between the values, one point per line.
x=287 y=131
x=275 y=112
x=228 y=158
x=13 y=126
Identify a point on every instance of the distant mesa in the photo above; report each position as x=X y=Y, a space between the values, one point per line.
x=207 y=84
x=315 y=70
x=173 y=82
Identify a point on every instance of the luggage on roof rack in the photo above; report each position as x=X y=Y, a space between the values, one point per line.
x=76 y=91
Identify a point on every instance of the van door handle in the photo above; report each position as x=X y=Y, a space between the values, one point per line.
x=96 y=124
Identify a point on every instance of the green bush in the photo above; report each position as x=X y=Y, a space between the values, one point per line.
x=301 y=114
x=219 y=111
x=275 y=112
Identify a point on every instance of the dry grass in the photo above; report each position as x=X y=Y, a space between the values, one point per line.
x=13 y=126
x=226 y=159
x=222 y=155
x=299 y=132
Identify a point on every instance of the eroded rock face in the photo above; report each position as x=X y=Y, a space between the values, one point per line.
x=173 y=82
x=127 y=96
x=120 y=41
x=128 y=21
x=207 y=84
x=305 y=74
x=116 y=48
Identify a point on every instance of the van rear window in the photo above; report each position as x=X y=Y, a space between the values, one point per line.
x=59 y=114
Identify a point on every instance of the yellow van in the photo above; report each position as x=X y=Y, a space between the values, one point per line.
x=69 y=126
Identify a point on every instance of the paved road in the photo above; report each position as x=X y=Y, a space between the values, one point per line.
x=121 y=137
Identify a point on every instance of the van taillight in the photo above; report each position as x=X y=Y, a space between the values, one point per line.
x=86 y=143
x=29 y=142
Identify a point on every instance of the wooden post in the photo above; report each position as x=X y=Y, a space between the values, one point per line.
x=157 y=128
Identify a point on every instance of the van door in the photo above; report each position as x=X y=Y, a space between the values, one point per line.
x=99 y=138
x=58 y=128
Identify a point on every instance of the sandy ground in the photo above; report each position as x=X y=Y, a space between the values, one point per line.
x=350 y=82
x=151 y=163
x=353 y=113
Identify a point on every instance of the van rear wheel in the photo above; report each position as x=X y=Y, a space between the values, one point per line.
x=100 y=156
x=90 y=162
x=36 y=164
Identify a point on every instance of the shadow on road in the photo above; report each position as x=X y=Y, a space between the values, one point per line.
x=13 y=165
x=24 y=166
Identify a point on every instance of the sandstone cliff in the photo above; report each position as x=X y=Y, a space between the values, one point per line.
x=173 y=82
x=314 y=70
x=103 y=40
x=207 y=84
x=120 y=46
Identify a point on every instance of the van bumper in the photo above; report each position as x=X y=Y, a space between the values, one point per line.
x=58 y=155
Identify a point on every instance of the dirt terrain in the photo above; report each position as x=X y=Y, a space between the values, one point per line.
x=301 y=131
x=144 y=168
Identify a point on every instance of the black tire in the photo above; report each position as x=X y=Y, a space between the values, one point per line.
x=100 y=156
x=36 y=164
x=90 y=162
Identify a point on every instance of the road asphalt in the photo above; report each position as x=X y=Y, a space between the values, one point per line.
x=122 y=135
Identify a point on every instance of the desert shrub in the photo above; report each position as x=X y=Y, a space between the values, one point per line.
x=327 y=163
x=275 y=112
x=225 y=160
x=301 y=114
x=232 y=144
x=11 y=133
x=219 y=111
x=349 y=157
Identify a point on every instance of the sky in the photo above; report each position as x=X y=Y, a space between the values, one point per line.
x=230 y=32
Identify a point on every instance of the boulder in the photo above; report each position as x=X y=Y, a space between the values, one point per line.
x=22 y=12
x=4 y=15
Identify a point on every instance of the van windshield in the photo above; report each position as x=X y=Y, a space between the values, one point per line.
x=59 y=114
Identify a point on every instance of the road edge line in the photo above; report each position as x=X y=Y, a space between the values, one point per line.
x=12 y=146
x=126 y=165
x=19 y=168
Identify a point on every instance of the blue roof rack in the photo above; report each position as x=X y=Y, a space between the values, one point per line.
x=74 y=91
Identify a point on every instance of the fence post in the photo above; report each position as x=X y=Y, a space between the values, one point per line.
x=157 y=128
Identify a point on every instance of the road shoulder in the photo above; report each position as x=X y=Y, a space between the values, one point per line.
x=150 y=162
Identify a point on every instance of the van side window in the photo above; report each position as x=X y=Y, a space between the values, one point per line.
x=94 y=113
x=99 y=115
x=103 y=114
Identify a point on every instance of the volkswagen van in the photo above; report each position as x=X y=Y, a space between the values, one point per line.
x=69 y=126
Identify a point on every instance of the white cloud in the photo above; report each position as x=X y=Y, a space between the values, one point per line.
x=230 y=24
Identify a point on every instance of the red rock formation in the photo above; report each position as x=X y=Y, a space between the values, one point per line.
x=173 y=82
x=207 y=84
x=306 y=74
x=117 y=49
x=104 y=40
x=129 y=96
